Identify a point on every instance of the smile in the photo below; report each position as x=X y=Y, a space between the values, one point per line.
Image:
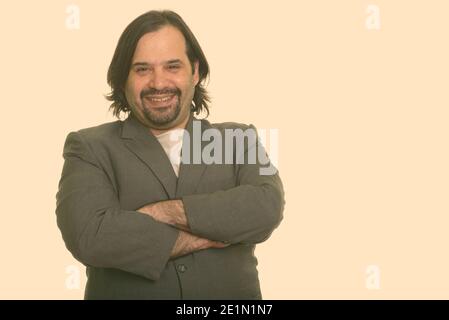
x=160 y=98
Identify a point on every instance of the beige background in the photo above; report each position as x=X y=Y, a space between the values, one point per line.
x=363 y=136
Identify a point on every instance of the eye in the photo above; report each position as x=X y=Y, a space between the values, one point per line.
x=173 y=67
x=141 y=69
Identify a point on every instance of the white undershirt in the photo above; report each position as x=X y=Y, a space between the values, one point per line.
x=171 y=141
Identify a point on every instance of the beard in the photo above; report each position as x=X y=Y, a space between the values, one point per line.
x=161 y=116
x=164 y=115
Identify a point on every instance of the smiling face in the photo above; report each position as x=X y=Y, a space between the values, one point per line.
x=160 y=84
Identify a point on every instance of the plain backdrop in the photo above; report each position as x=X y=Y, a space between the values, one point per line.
x=362 y=115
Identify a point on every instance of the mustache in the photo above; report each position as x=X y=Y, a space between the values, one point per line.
x=153 y=91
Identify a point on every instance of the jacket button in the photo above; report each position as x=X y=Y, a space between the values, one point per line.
x=182 y=268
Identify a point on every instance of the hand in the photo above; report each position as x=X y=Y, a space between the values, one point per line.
x=188 y=243
x=170 y=212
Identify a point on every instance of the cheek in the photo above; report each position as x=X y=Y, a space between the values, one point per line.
x=133 y=90
x=186 y=87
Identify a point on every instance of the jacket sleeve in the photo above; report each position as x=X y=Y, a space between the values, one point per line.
x=94 y=228
x=247 y=213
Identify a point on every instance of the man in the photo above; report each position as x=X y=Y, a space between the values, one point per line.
x=146 y=224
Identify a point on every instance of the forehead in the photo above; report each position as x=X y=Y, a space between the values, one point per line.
x=164 y=44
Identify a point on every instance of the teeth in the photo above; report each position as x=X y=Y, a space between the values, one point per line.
x=161 y=99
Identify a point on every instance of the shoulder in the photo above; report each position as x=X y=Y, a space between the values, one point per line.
x=93 y=138
x=105 y=131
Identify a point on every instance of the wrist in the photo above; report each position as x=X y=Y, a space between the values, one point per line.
x=169 y=211
x=177 y=214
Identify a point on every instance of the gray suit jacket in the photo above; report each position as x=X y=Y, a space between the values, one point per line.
x=113 y=169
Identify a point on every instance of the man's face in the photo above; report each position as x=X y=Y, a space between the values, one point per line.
x=160 y=84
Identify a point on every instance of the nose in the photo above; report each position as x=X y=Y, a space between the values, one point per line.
x=158 y=79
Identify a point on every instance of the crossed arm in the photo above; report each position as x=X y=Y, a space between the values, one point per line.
x=98 y=232
x=172 y=212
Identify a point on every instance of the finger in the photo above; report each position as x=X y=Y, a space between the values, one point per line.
x=218 y=244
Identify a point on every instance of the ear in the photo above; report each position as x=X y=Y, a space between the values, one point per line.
x=196 y=75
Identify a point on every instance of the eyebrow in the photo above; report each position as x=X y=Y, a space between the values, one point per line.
x=172 y=61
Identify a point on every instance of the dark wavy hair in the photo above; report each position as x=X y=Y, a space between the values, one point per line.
x=124 y=52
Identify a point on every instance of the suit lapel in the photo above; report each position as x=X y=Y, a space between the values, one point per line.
x=190 y=173
x=139 y=140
